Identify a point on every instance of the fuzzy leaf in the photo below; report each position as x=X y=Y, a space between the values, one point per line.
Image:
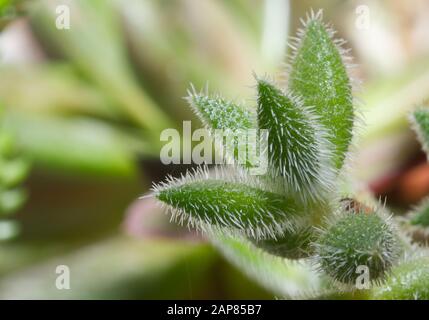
x=286 y=278
x=207 y=202
x=407 y=281
x=319 y=75
x=297 y=146
x=420 y=123
x=218 y=113
x=355 y=239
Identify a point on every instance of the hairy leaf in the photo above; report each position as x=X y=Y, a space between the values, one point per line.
x=407 y=281
x=207 y=201
x=298 y=149
x=226 y=120
x=357 y=239
x=319 y=75
x=286 y=278
x=218 y=113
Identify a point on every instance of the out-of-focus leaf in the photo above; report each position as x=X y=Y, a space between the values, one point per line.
x=13 y=171
x=72 y=144
x=52 y=88
x=420 y=123
x=399 y=93
x=286 y=278
x=95 y=45
x=420 y=215
x=8 y=229
x=11 y=200
x=385 y=142
x=408 y=281
x=5 y=3
x=119 y=268
x=188 y=49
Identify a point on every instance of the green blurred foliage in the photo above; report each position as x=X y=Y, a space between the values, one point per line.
x=87 y=112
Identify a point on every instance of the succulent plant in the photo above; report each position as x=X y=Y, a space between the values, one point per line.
x=295 y=229
x=354 y=239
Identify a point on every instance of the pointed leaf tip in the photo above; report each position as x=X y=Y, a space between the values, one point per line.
x=298 y=148
x=319 y=75
x=219 y=113
x=212 y=203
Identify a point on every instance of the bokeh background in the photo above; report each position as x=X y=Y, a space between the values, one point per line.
x=81 y=110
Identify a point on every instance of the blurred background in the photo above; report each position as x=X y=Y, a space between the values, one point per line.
x=81 y=110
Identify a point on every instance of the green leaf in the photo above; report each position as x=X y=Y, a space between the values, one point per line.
x=112 y=268
x=213 y=200
x=9 y=10
x=420 y=123
x=407 y=281
x=294 y=244
x=8 y=229
x=420 y=215
x=319 y=75
x=78 y=145
x=57 y=88
x=286 y=278
x=225 y=119
x=357 y=238
x=13 y=171
x=11 y=200
x=95 y=45
x=6 y=143
x=218 y=113
x=298 y=150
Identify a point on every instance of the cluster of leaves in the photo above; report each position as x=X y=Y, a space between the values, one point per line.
x=13 y=170
x=296 y=213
